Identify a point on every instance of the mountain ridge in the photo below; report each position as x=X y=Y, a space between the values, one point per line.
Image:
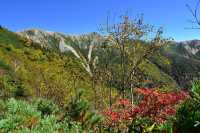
x=184 y=56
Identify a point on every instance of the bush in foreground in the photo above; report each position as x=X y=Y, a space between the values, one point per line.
x=157 y=108
x=40 y=116
x=188 y=116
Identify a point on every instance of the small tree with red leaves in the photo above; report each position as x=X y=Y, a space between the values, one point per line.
x=158 y=106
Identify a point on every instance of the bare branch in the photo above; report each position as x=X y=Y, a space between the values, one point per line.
x=194 y=13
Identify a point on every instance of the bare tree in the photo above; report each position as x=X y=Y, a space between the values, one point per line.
x=195 y=14
x=127 y=39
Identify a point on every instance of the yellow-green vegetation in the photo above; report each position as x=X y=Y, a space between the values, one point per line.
x=158 y=77
x=39 y=73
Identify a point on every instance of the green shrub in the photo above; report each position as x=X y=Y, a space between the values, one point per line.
x=195 y=90
x=4 y=65
x=187 y=117
x=46 y=107
x=79 y=110
x=22 y=117
x=140 y=124
x=11 y=87
x=188 y=114
x=77 y=107
x=18 y=115
x=19 y=91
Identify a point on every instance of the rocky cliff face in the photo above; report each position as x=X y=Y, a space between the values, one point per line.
x=189 y=48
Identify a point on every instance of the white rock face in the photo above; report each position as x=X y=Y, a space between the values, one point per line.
x=192 y=47
x=46 y=39
x=192 y=50
x=62 y=46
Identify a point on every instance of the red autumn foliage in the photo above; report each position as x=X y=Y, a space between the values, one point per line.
x=156 y=105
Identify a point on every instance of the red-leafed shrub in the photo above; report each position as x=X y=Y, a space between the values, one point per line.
x=158 y=106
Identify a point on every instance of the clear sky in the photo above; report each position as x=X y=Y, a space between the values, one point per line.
x=83 y=16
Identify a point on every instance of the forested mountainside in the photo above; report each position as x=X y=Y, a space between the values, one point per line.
x=180 y=61
x=28 y=70
x=185 y=61
x=35 y=66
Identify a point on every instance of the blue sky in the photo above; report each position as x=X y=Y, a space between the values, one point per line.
x=83 y=16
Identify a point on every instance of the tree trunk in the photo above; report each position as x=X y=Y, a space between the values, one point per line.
x=132 y=97
x=95 y=93
x=110 y=93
